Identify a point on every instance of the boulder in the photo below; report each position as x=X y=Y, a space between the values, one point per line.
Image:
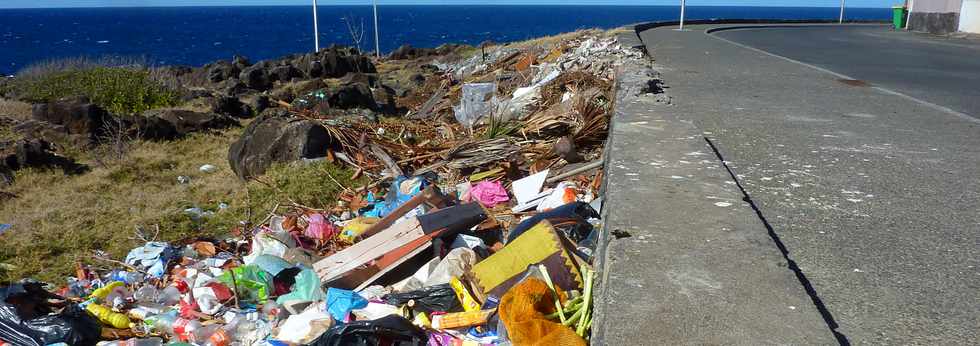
x=355 y=95
x=256 y=77
x=332 y=62
x=76 y=115
x=407 y=52
x=183 y=122
x=287 y=92
x=240 y=62
x=357 y=77
x=226 y=105
x=231 y=106
x=231 y=87
x=151 y=128
x=221 y=70
x=284 y=73
x=385 y=99
x=34 y=153
x=275 y=137
x=255 y=104
x=347 y=96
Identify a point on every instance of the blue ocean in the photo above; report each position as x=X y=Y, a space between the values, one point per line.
x=198 y=35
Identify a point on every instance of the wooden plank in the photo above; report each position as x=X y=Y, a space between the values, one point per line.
x=430 y=195
x=426 y=110
x=364 y=251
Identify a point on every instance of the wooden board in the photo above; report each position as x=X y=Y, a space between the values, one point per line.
x=394 y=237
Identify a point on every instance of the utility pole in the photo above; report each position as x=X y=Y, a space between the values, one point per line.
x=377 y=43
x=682 y=15
x=841 y=20
x=908 y=16
x=316 y=29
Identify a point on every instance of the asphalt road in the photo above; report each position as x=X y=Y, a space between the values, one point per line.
x=875 y=196
x=940 y=71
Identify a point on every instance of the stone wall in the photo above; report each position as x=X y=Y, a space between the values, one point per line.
x=934 y=23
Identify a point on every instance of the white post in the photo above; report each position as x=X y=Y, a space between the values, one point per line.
x=841 y=21
x=316 y=29
x=908 y=16
x=377 y=43
x=682 y=15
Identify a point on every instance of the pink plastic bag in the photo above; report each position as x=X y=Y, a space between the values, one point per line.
x=489 y=193
x=320 y=229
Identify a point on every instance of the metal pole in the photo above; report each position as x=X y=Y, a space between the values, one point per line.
x=841 y=21
x=316 y=29
x=682 y=15
x=908 y=16
x=377 y=43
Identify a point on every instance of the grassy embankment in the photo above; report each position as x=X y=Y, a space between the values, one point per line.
x=59 y=220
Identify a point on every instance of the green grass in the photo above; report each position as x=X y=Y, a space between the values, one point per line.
x=120 y=90
x=58 y=220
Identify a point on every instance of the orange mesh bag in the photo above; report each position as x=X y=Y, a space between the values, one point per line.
x=523 y=309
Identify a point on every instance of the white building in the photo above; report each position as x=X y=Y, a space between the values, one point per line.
x=945 y=16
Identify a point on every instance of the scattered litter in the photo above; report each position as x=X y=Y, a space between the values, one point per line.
x=208 y=168
x=488 y=239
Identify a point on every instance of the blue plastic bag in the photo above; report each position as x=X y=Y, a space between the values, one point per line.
x=341 y=302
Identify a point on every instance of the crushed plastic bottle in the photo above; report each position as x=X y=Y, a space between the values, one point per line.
x=146 y=294
x=187 y=330
x=162 y=323
x=127 y=277
x=226 y=334
x=169 y=296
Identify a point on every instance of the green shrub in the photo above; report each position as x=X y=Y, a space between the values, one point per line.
x=119 y=90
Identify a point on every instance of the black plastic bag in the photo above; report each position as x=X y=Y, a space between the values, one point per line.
x=390 y=330
x=570 y=219
x=73 y=326
x=15 y=332
x=428 y=299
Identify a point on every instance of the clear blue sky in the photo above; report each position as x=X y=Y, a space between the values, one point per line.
x=119 y=3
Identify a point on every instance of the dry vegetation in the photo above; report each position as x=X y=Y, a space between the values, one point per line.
x=15 y=109
x=552 y=40
x=60 y=219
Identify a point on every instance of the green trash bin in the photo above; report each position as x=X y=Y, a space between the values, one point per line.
x=898 y=17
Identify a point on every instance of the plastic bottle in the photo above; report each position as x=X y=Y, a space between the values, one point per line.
x=118 y=297
x=142 y=311
x=169 y=296
x=162 y=323
x=146 y=294
x=271 y=310
x=137 y=342
x=129 y=278
x=101 y=293
x=185 y=329
x=225 y=335
x=106 y=315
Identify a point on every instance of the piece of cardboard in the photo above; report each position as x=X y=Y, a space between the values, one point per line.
x=526 y=189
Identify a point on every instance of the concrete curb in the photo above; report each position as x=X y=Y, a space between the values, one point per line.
x=658 y=281
x=647 y=26
x=631 y=79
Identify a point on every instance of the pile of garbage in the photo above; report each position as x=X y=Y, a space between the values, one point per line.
x=478 y=227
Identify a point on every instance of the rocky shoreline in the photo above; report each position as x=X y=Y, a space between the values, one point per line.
x=222 y=94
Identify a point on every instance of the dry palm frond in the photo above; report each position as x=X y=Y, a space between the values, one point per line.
x=478 y=153
x=592 y=107
x=553 y=122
